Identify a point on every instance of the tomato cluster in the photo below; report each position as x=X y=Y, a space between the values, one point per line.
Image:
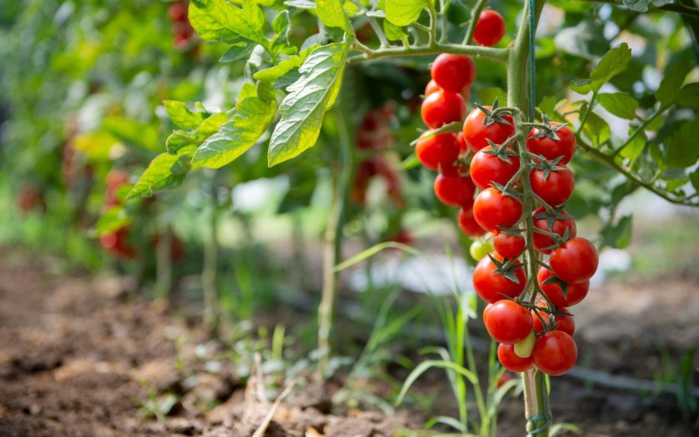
x=183 y=33
x=530 y=333
x=116 y=242
x=527 y=316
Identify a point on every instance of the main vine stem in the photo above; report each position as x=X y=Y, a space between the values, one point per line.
x=535 y=390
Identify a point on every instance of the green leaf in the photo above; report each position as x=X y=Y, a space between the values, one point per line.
x=274 y=73
x=252 y=116
x=404 y=12
x=303 y=109
x=220 y=20
x=596 y=129
x=332 y=14
x=425 y=366
x=643 y=5
x=165 y=172
x=182 y=138
x=393 y=32
x=620 y=104
x=133 y=133
x=489 y=94
x=182 y=116
x=619 y=235
x=634 y=149
x=680 y=147
x=111 y=220
x=613 y=62
x=690 y=95
x=585 y=40
x=282 y=28
x=694 y=179
x=238 y=51
x=669 y=91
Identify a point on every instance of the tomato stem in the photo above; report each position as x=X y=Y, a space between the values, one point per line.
x=475 y=14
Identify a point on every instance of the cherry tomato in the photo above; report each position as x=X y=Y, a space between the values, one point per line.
x=555 y=353
x=508 y=245
x=563 y=321
x=480 y=249
x=177 y=12
x=116 y=243
x=442 y=107
x=541 y=219
x=511 y=361
x=504 y=378
x=477 y=134
x=454 y=189
x=487 y=168
x=492 y=286
x=431 y=87
x=492 y=209
x=486 y=310
x=575 y=261
x=550 y=148
x=508 y=322
x=468 y=224
x=114 y=180
x=555 y=189
x=437 y=151
x=453 y=73
x=575 y=293
x=463 y=148
x=490 y=28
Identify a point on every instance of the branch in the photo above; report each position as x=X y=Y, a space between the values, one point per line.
x=610 y=162
x=475 y=14
x=672 y=7
x=432 y=49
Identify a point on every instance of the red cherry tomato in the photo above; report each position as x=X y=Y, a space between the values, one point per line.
x=453 y=73
x=555 y=189
x=114 y=180
x=485 y=311
x=504 y=378
x=541 y=221
x=492 y=286
x=468 y=224
x=575 y=261
x=442 y=107
x=116 y=243
x=552 y=149
x=490 y=28
x=563 y=321
x=431 y=87
x=575 y=293
x=508 y=322
x=454 y=189
x=492 y=209
x=511 y=361
x=177 y=12
x=508 y=245
x=487 y=168
x=477 y=134
x=555 y=353
x=437 y=151
x=463 y=148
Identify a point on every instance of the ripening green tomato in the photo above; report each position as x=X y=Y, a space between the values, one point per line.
x=480 y=248
x=524 y=348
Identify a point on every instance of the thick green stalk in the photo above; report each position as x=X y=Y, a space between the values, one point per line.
x=208 y=274
x=431 y=49
x=332 y=248
x=535 y=399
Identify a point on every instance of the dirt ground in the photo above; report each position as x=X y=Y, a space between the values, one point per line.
x=74 y=352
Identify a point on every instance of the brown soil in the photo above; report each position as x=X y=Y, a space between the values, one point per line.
x=75 y=350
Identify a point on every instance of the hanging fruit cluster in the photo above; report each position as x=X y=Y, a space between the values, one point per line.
x=182 y=32
x=116 y=242
x=520 y=192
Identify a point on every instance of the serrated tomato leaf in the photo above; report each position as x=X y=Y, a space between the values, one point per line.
x=182 y=116
x=332 y=14
x=404 y=12
x=303 y=109
x=220 y=20
x=252 y=116
x=165 y=172
x=619 y=104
